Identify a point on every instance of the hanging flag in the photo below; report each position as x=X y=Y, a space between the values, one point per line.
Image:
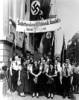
x=13 y=23
x=12 y=31
x=58 y=41
x=53 y=49
x=45 y=8
x=39 y=8
x=25 y=7
x=24 y=46
x=63 y=52
x=46 y=43
x=34 y=9
x=41 y=44
x=34 y=15
x=13 y=46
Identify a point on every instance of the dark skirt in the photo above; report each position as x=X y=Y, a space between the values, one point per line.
x=24 y=87
x=14 y=79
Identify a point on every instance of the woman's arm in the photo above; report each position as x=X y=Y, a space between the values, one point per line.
x=48 y=75
x=31 y=71
x=61 y=76
x=40 y=71
x=38 y=74
x=33 y=74
x=19 y=74
x=11 y=70
x=19 y=78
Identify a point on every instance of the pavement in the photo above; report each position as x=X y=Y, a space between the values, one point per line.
x=15 y=96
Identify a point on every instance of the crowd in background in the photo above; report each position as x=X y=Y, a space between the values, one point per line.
x=42 y=77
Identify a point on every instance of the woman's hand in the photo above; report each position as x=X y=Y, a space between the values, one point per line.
x=19 y=82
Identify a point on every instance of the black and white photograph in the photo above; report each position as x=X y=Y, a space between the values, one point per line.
x=39 y=50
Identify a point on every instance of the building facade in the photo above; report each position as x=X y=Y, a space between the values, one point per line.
x=20 y=10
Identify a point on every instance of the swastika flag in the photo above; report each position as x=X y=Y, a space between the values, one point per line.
x=39 y=8
x=34 y=9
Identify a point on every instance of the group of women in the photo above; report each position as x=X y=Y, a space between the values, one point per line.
x=40 y=77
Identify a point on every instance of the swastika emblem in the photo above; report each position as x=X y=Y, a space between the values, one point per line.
x=48 y=35
x=35 y=7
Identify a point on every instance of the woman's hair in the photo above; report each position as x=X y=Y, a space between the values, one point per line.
x=4 y=68
x=13 y=58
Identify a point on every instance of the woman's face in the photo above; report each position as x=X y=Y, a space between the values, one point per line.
x=43 y=62
x=35 y=63
x=55 y=61
x=66 y=65
x=42 y=58
x=39 y=62
x=28 y=61
x=16 y=58
x=48 y=60
x=51 y=66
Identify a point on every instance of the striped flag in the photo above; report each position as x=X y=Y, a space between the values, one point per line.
x=58 y=42
x=53 y=49
x=12 y=31
x=63 y=52
x=24 y=46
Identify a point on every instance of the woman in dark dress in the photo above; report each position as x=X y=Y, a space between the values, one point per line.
x=35 y=73
x=51 y=74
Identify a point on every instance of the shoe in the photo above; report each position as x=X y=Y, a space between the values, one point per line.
x=37 y=95
x=15 y=93
x=48 y=95
x=64 y=95
x=69 y=96
x=9 y=92
x=52 y=95
x=22 y=94
x=33 y=95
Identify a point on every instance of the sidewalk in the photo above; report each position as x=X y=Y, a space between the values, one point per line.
x=14 y=96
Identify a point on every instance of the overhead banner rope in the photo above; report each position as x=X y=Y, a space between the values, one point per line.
x=38 y=26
